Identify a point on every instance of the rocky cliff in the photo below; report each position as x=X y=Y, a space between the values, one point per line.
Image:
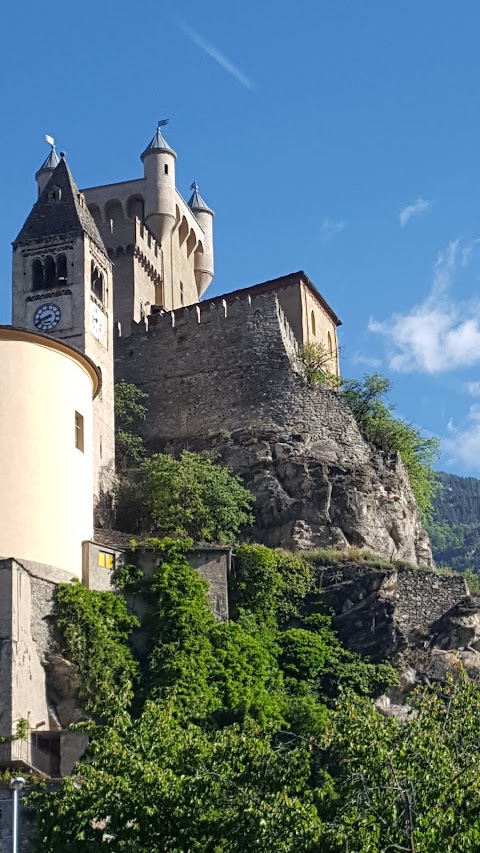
x=427 y=624
x=225 y=379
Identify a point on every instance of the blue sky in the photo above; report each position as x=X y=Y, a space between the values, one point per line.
x=337 y=137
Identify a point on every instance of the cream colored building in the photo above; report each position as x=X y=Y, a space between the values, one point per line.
x=46 y=449
x=62 y=287
x=160 y=245
x=309 y=315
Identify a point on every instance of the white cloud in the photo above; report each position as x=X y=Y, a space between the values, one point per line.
x=473 y=388
x=439 y=334
x=467 y=252
x=421 y=205
x=463 y=444
x=330 y=229
x=366 y=360
x=215 y=54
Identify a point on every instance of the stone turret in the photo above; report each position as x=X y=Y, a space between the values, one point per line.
x=203 y=260
x=160 y=196
x=47 y=169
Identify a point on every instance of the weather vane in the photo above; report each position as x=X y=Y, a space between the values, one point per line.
x=194 y=186
x=162 y=122
x=50 y=140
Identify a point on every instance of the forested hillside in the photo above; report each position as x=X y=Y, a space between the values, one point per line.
x=455 y=526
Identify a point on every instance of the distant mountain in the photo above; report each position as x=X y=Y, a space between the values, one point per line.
x=455 y=527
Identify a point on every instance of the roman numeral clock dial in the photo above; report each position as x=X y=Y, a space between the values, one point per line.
x=47 y=317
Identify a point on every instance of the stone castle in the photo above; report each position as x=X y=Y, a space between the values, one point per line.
x=109 y=284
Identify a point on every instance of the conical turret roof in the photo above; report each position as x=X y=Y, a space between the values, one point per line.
x=196 y=202
x=50 y=163
x=60 y=212
x=158 y=143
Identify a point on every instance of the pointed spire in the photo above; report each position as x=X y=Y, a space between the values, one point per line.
x=51 y=161
x=60 y=209
x=158 y=143
x=196 y=202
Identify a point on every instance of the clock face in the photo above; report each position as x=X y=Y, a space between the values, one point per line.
x=47 y=317
x=96 y=321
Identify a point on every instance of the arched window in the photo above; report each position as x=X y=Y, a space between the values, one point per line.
x=120 y=251
x=37 y=274
x=183 y=231
x=50 y=272
x=191 y=242
x=96 y=281
x=329 y=345
x=313 y=324
x=95 y=213
x=113 y=211
x=61 y=269
x=135 y=208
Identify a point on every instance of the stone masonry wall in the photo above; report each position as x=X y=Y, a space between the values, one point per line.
x=226 y=367
x=378 y=611
x=224 y=378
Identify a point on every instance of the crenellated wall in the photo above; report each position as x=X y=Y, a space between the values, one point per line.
x=218 y=366
x=222 y=376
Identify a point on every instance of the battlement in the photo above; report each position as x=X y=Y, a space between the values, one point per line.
x=243 y=310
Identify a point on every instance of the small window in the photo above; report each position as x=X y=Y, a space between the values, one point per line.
x=182 y=294
x=61 y=263
x=329 y=345
x=37 y=274
x=313 y=324
x=165 y=169
x=105 y=560
x=96 y=282
x=50 y=272
x=79 y=439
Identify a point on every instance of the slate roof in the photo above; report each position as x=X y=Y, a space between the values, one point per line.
x=50 y=163
x=49 y=218
x=118 y=541
x=196 y=202
x=158 y=143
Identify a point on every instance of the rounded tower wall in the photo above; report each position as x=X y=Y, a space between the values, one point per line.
x=46 y=500
x=203 y=261
x=160 y=194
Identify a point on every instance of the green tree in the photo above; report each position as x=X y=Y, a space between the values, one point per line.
x=227 y=743
x=315 y=365
x=380 y=427
x=187 y=497
x=129 y=412
x=410 y=786
x=96 y=628
x=271 y=584
x=153 y=785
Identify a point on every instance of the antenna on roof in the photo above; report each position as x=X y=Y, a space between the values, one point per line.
x=163 y=122
x=50 y=140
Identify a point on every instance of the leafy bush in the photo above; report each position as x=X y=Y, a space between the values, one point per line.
x=271 y=584
x=381 y=428
x=315 y=365
x=96 y=627
x=187 y=497
x=129 y=411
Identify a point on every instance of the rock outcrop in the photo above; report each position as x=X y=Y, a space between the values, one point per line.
x=311 y=493
x=229 y=383
x=425 y=623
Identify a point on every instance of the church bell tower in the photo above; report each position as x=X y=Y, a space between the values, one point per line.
x=62 y=287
